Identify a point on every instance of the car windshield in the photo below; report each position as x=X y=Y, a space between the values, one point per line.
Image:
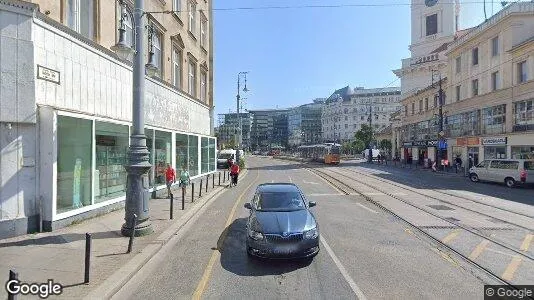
x=226 y=156
x=280 y=201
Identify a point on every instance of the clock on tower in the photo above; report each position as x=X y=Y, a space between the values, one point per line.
x=430 y=3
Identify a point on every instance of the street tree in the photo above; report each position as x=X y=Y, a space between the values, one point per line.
x=364 y=135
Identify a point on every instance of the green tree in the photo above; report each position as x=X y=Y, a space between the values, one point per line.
x=385 y=145
x=358 y=146
x=364 y=135
x=230 y=144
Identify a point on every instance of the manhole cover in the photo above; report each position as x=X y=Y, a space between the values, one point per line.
x=440 y=207
x=452 y=219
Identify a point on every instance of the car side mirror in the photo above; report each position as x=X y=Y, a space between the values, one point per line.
x=312 y=204
x=248 y=206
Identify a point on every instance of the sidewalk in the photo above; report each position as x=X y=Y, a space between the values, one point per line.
x=60 y=255
x=418 y=168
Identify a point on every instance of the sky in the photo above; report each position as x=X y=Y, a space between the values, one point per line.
x=298 y=54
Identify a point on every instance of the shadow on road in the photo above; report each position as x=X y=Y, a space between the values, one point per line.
x=61 y=239
x=277 y=167
x=423 y=179
x=234 y=257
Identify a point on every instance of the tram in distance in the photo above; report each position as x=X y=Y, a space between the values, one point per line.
x=328 y=153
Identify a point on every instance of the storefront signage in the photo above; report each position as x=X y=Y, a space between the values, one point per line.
x=425 y=143
x=494 y=141
x=468 y=141
x=424 y=59
x=48 y=74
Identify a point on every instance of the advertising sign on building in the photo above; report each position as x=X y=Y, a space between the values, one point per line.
x=467 y=141
x=494 y=141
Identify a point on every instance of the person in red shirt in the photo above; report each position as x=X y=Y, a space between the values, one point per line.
x=170 y=176
x=234 y=172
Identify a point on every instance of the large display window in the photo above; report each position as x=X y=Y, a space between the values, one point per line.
x=74 y=163
x=182 y=149
x=523 y=152
x=496 y=152
x=213 y=159
x=162 y=155
x=111 y=150
x=193 y=155
x=149 y=133
x=204 y=155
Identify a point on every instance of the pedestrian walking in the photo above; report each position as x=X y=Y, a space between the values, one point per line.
x=234 y=173
x=170 y=176
x=458 y=163
x=184 y=178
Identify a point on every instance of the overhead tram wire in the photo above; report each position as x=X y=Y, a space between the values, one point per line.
x=306 y=6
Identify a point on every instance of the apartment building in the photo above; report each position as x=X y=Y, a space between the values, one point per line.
x=66 y=105
x=489 y=93
x=304 y=124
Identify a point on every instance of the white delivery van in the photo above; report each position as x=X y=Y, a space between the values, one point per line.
x=507 y=171
x=223 y=157
x=375 y=152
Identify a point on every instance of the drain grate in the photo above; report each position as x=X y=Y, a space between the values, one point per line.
x=440 y=207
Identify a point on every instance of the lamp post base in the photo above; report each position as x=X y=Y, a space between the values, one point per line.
x=142 y=229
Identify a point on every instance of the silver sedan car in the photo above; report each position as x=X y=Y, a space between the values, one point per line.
x=280 y=224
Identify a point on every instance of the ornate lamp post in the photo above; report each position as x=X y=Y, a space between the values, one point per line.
x=441 y=133
x=239 y=146
x=137 y=166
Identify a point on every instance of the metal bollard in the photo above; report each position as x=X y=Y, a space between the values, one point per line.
x=200 y=189
x=207 y=182
x=13 y=275
x=192 y=192
x=132 y=235
x=213 y=180
x=183 y=198
x=172 y=206
x=224 y=175
x=219 y=178
x=87 y=257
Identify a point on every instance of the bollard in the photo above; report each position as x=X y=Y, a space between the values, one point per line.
x=87 y=257
x=224 y=175
x=183 y=198
x=219 y=178
x=132 y=235
x=213 y=180
x=192 y=192
x=200 y=189
x=13 y=275
x=207 y=182
x=172 y=206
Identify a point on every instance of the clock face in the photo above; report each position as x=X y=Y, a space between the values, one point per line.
x=431 y=2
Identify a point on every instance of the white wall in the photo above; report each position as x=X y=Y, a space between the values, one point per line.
x=95 y=83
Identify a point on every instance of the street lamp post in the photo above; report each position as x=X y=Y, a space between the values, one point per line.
x=238 y=154
x=440 y=118
x=137 y=166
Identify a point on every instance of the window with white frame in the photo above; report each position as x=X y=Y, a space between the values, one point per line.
x=495 y=46
x=458 y=92
x=203 y=86
x=192 y=16
x=474 y=87
x=522 y=75
x=203 y=28
x=81 y=16
x=177 y=67
x=495 y=81
x=475 y=56
x=158 y=46
x=192 y=73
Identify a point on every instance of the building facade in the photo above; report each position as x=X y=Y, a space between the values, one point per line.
x=346 y=110
x=228 y=129
x=269 y=128
x=488 y=111
x=304 y=124
x=66 y=107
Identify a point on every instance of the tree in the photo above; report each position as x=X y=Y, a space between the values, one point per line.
x=230 y=144
x=385 y=145
x=364 y=135
x=358 y=146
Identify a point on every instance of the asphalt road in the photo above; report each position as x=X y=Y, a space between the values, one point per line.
x=365 y=253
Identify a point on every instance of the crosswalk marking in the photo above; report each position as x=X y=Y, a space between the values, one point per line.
x=451 y=236
x=512 y=267
x=479 y=249
x=526 y=242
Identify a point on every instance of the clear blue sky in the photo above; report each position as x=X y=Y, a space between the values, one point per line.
x=298 y=54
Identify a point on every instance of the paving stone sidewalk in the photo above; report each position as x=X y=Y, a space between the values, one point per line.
x=60 y=255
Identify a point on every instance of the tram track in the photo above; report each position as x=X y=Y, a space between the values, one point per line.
x=335 y=178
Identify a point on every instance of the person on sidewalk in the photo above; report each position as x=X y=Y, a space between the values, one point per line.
x=234 y=173
x=458 y=162
x=184 y=178
x=170 y=176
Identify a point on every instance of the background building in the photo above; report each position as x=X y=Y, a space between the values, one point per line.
x=269 y=128
x=66 y=106
x=304 y=124
x=347 y=109
x=228 y=129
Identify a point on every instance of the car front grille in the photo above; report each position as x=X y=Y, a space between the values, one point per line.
x=281 y=239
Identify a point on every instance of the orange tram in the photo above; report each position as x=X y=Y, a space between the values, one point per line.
x=328 y=153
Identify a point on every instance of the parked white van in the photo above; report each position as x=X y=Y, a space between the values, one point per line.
x=509 y=171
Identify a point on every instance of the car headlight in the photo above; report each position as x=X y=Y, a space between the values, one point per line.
x=255 y=235
x=311 y=234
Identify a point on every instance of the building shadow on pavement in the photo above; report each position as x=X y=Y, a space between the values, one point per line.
x=277 y=167
x=234 y=258
x=61 y=239
x=426 y=179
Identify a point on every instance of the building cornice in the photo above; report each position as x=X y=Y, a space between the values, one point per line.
x=20 y=7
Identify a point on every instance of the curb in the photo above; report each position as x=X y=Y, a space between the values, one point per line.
x=117 y=280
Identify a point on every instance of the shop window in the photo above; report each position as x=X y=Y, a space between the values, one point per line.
x=162 y=155
x=204 y=155
x=193 y=155
x=524 y=115
x=523 y=152
x=111 y=149
x=182 y=152
x=494 y=152
x=213 y=159
x=494 y=119
x=74 y=163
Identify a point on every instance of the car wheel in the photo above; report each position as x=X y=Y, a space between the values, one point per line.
x=473 y=177
x=510 y=182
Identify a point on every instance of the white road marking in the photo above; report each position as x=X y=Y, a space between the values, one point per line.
x=365 y=207
x=373 y=194
x=309 y=182
x=343 y=271
x=290 y=180
x=272 y=180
